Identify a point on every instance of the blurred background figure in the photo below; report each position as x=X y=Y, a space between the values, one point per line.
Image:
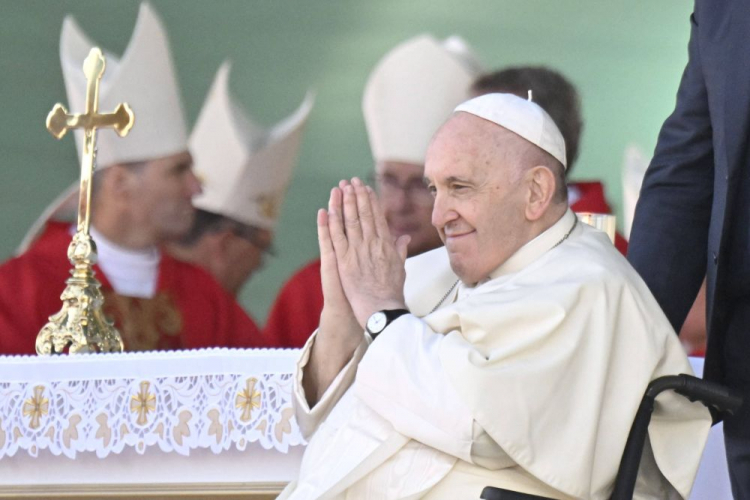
x=409 y=94
x=560 y=99
x=141 y=199
x=245 y=170
x=691 y=222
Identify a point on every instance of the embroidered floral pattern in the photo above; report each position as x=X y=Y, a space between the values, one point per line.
x=175 y=414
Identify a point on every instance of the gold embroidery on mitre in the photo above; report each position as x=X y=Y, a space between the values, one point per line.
x=145 y=324
x=201 y=178
x=268 y=205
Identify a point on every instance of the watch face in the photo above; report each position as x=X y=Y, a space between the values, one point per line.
x=377 y=322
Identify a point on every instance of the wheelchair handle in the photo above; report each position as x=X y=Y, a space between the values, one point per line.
x=710 y=394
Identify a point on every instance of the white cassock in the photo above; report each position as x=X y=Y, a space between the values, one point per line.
x=528 y=381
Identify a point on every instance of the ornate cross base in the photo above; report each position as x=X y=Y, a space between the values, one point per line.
x=80 y=326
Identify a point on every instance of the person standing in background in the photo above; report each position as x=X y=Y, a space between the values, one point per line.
x=245 y=170
x=141 y=199
x=692 y=219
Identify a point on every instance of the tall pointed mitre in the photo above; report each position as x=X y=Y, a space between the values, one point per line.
x=144 y=77
x=412 y=91
x=245 y=168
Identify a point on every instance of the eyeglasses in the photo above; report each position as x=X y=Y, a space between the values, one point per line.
x=415 y=190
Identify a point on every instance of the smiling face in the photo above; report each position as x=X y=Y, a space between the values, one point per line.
x=490 y=196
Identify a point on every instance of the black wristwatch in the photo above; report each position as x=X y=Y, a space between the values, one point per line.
x=379 y=320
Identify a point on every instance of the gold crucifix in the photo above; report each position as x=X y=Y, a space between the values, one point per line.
x=59 y=122
x=80 y=326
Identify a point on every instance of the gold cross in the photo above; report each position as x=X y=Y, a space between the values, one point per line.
x=59 y=121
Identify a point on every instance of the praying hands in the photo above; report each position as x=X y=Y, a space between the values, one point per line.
x=362 y=271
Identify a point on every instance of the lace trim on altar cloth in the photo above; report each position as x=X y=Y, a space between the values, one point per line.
x=176 y=413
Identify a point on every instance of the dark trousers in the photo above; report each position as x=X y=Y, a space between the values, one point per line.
x=737 y=376
x=738 y=458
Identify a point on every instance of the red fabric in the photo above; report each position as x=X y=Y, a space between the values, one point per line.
x=296 y=312
x=189 y=310
x=592 y=200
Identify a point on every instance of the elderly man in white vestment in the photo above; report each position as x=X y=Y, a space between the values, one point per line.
x=515 y=356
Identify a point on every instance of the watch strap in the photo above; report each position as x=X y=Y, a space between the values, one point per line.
x=390 y=316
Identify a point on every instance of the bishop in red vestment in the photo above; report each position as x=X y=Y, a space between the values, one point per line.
x=189 y=309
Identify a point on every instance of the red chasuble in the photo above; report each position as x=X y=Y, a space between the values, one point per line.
x=592 y=200
x=296 y=312
x=189 y=310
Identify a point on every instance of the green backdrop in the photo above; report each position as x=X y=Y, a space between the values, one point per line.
x=625 y=57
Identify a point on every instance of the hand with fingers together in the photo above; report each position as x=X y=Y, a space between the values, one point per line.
x=370 y=262
x=362 y=271
x=339 y=333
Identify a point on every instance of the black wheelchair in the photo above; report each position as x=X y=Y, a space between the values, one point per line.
x=717 y=398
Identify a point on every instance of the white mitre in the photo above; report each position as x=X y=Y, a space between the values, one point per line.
x=521 y=116
x=412 y=91
x=245 y=168
x=144 y=77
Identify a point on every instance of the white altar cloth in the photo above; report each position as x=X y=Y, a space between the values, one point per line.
x=135 y=418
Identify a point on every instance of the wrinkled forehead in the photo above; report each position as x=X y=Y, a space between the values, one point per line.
x=467 y=141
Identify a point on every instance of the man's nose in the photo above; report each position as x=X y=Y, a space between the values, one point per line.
x=442 y=211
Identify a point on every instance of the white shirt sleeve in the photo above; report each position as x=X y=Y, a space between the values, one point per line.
x=308 y=418
x=402 y=379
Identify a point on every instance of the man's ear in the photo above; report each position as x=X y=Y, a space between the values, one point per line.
x=114 y=184
x=541 y=185
x=121 y=182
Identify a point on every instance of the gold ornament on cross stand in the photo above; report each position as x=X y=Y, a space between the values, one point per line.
x=81 y=326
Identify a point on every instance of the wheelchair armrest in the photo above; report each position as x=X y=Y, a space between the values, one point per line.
x=712 y=395
x=490 y=493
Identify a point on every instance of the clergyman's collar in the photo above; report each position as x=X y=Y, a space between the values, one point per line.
x=537 y=247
